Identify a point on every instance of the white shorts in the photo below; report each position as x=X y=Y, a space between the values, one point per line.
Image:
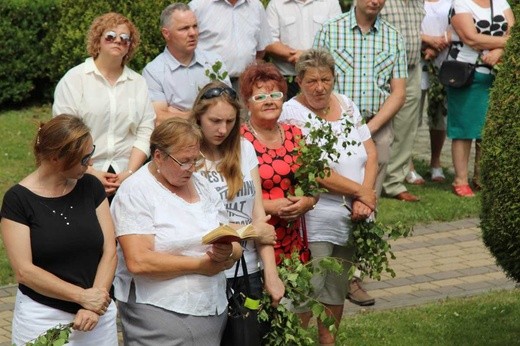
x=30 y=319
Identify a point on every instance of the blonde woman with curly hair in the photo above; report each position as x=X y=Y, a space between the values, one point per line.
x=111 y=99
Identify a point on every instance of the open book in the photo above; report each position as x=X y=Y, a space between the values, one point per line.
x=226 y=234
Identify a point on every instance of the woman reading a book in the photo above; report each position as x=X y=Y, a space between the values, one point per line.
x=262 y=88
x=171 y=289
x=231 y=167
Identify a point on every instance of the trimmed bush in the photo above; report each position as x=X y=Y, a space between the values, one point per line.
x=24 y=70
x=500 y=217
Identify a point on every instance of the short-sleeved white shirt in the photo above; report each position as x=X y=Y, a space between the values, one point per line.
x=435 y=22
x=240 y=208
x=144 y=206
x=235 y=33
x=296 y=22
x=120 y=117
x=330 y=221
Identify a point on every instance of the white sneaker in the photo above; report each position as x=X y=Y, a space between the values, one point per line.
x=414 y=178
x=437 y=174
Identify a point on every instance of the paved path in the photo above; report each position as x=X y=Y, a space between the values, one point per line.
x=440 y=260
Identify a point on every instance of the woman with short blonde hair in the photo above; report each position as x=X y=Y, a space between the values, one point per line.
x=165 y=273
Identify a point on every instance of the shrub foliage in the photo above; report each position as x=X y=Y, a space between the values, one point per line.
x=24 y=25
x=500 y=217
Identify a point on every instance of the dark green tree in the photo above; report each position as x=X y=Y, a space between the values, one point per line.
x=500 y=216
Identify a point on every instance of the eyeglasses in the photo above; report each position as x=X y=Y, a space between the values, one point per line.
x=276 y=95
x=123 y=38
x=185 y=166
x=216 y=92
x=85 y=159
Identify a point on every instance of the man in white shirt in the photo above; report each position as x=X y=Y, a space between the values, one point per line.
x=235 y=29
x=293 y=24
x=176 y=75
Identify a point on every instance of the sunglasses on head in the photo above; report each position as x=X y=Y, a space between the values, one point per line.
x=275 y=95
x=85 y=159
x=123 y=38
x=216 y=92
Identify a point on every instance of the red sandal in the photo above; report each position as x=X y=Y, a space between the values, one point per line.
x=463 y=191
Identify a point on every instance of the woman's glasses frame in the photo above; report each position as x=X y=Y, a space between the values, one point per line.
x=275 y=95
x=185 y=166
x=110 y=36
x=85 y=159
x=216 y=92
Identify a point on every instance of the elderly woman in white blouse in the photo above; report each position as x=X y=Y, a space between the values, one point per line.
x=350 y=184
x=170 y=288
x=111 y=99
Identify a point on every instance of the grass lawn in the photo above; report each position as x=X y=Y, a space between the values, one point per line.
x=488 y=319
x=438 y=203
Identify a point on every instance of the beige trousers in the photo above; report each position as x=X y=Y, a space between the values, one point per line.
x=405 y=128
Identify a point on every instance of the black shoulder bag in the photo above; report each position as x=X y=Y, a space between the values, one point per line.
x=458 y=74
x=242 y=326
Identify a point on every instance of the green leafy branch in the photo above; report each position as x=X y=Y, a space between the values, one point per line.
x=285 y=325
x=372 y=249
x=315 y=152
x=214 y=73
x=55 y=336
x=370 y=238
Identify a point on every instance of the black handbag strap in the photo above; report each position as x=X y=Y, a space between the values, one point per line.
x=480 y=53
x=245 y=275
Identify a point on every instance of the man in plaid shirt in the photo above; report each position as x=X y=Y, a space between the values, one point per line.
x=371 y=62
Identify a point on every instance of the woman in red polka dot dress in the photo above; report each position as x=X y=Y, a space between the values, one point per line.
x=262 y=88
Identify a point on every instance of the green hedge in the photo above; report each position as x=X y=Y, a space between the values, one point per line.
x=500 y=217
x=24 y=69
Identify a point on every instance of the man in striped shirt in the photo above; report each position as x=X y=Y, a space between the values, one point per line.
x=370 y=59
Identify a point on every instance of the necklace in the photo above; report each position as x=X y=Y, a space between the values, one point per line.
x=257 y=135
x=50 y=192
x=62 y=214
x=322 y=113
